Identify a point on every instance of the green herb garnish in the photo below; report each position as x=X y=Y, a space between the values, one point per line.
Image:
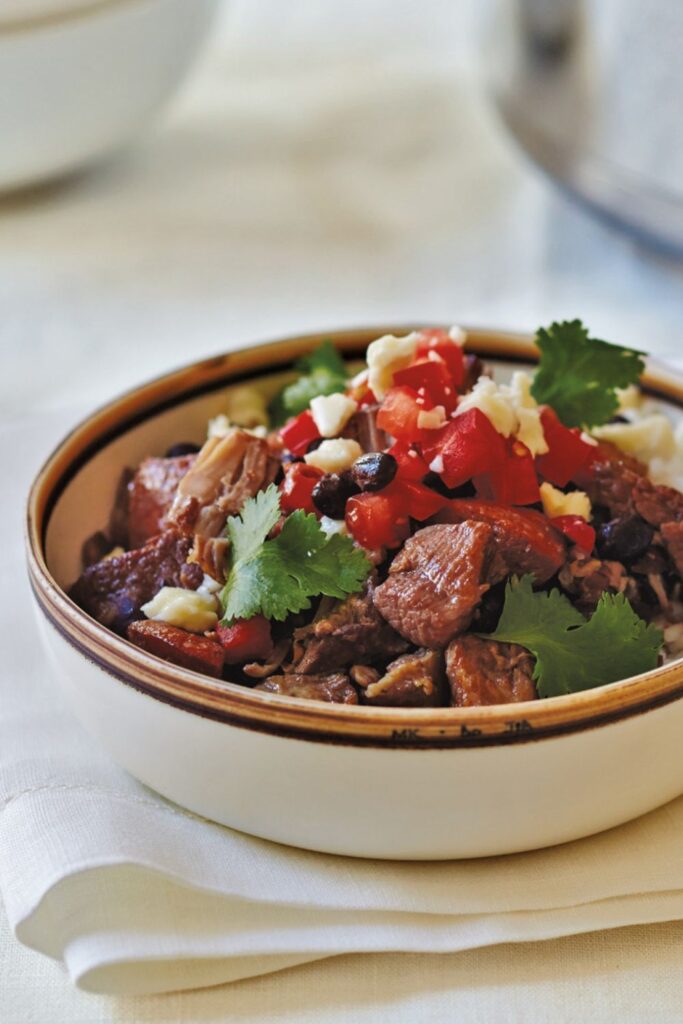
x=322 y=373
x=278 y=577
x=573 y=653
x=578 y=376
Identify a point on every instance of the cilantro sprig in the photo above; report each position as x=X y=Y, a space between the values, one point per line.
x=278 y=577
x=573 y=653
x=578 y=375
x=322 y=372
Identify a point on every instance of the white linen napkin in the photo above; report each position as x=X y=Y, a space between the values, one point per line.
x=134 y=895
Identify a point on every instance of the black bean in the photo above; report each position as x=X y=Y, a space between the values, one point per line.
x=624 y=539
x=332 y=492
x=182 y=448
x=373 y=471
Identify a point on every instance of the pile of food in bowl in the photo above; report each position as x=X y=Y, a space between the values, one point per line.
x=414 y=534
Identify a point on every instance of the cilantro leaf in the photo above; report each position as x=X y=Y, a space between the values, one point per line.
x=573 y=653
x=278 y=577
x=577 y=375
x=247 y=533
x=322 y=372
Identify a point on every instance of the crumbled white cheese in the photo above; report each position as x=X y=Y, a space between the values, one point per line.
x=629 y=398
x=511 y=409
x=651 y=437
x=209 y=586
x=332 y=526
x=185 y=608
x=221 y=425
x=436 y=465
x=387 y=355
x=331 y=413
x=458 y=335
x=557 y=503
x=334 y=456
x=431 y=419
x=246 y=406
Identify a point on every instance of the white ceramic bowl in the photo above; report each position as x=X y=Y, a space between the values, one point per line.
x=370 y=782
x=80 y=81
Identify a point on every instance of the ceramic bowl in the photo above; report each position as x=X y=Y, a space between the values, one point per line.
x=79 y=80
x=369 y=782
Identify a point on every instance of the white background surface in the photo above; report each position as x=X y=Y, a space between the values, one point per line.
x=328 y=165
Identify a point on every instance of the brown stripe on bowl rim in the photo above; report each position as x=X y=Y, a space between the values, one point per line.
x=427 y=728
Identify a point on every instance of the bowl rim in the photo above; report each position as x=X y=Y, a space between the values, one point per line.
x=235 y=704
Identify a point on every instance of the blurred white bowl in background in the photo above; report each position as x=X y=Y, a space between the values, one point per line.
x=78 y=84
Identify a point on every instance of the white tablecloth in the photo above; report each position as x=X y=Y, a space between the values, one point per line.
x=332 y=167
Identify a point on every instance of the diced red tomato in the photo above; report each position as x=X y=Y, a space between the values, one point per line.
x=514 y=481
x=438 y=342
x=419 y=502
x=367 y=398
x=246 y=640
x=431 y=379
x=578 y=530
x=468 y=446
x=377 y=519
x=411 y=464
x=297 y=487
x=297 y=433
x=399 y=413
x=567 y=453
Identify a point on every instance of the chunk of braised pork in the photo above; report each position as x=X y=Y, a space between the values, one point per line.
x=150 y=495
x=189 y=650
x=672 y=535
x=414 y=680
x=586 y=579
x=610 y=477
x=362 y=427
x=488 y=672
x=114 y=589
x=353 y=633
x=657 y=504
x=524 y=540
x=227 y=471
x=335 y=688
x=435 y=582
x=117 y=530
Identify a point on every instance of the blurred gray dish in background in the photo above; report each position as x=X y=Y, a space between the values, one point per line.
x=78 y=80
x=593 y=91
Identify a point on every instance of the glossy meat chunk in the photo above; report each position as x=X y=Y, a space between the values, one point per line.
x=435 y=582
x=610 y=477
x=488 y=672
x=672 y=535
x=362 y=427
x=334 y=688
x=586 y=579
x=524 y=540
x=353 y=633
x=113 y=590
x=189 y=650
x=150 y=495
x=414 y=680
x=657 y=504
